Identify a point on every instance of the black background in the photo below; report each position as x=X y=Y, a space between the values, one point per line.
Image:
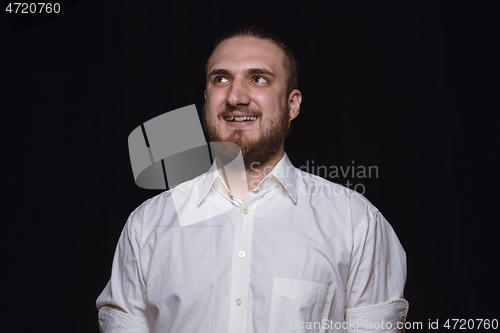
x=408 y=86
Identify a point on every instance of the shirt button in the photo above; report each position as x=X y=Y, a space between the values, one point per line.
x=241 y=254
x=238 y=302
x=245 y=210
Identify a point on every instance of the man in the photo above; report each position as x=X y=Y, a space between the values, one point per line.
x=290 y=252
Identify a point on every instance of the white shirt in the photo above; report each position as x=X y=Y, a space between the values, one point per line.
x=299 y=254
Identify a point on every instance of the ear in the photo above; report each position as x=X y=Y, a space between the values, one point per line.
x=205 y=94
x=294 y=100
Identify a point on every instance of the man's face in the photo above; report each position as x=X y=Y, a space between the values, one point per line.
x=246 y=101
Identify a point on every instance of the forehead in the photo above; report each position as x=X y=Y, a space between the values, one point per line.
x=240 y=53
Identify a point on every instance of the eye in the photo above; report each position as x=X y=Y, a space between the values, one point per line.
x=221 y=79
x=260 y=79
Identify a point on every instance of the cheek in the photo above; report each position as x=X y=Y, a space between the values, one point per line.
x=215 y=98
x=269 y=100
x=211 y=109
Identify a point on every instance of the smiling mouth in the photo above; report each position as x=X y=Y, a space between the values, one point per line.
x=239 y=119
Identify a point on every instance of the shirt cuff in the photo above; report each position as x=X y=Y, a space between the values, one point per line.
x=114 y=321
x=387 y=317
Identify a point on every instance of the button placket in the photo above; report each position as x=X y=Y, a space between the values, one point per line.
x=240 y=270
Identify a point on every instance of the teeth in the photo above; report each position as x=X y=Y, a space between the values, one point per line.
x=240 y=118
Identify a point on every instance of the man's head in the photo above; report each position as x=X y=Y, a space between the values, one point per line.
x=289 y=63
x=251 y=74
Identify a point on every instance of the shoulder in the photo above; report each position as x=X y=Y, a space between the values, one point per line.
x=331 y=190
x=337 y=196
x=161 y=209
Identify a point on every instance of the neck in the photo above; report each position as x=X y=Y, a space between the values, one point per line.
x=240 y=181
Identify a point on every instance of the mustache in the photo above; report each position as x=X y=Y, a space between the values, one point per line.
x=226 y=111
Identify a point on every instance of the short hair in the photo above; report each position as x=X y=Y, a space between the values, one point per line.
x=290 y=64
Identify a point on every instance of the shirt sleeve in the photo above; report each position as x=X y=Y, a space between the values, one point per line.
x=375 y=301
x=121 y=304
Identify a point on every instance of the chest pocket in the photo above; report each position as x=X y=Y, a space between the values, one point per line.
x=295 y=303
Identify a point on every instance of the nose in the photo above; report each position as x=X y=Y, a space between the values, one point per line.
x=238 y=94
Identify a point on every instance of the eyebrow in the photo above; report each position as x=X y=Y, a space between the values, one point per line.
x=218 y=72
x=253 y=71
x=250 y=71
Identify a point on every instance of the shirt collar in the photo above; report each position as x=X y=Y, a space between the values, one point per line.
x=286 y=175
x=213 y=180
x=283 y=173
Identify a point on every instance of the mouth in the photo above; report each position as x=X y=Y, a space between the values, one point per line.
x=240 y=119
